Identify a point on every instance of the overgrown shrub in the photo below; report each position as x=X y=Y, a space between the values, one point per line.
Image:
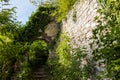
x=38 y=52
x=18 y=46
x=68 y=63
x=9 y=54
x=107 y=37
x=62 y=8
x=36 y=24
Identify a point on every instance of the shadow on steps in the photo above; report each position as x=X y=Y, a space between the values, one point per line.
x=40 y=73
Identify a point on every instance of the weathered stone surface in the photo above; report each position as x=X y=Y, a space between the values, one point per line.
x=51 y=29
x=80 y=28
x=78 y=25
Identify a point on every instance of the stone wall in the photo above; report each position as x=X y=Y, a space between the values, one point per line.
x=80 y=23
x=51 y=29
x=78 y=26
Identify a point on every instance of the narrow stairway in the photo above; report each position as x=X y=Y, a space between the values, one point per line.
x=39 y=67
x=40 y=74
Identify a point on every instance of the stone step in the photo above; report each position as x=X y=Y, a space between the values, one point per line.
x=40 y=76
x=39 y=73
x=40 y=79
x=40 y=69
x=13 y=77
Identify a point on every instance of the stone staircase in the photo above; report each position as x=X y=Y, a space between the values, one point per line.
x=40 y=74
x=39 y=70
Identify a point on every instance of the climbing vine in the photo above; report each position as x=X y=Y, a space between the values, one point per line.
x=19 y=44
x=36 y=24
x=107 y=37
x=69 y=63
x=62 y=8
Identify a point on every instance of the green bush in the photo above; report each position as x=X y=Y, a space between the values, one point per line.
x=68 y=63
x=107 y=35
x=9 y=54
x=18 y=46
x=62 y=8
x=38 y=50
x=37 y=21
x=24 y=72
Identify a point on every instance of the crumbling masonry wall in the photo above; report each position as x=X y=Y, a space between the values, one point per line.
x=80 y=22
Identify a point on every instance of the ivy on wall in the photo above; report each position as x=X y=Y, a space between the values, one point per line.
x=36 y=24
x=70 y=64
x=107 y=37
x=62 y=8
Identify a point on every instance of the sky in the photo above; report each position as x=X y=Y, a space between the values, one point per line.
x=24 y=9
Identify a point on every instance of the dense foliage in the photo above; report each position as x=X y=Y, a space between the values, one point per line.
x=62 y=8
x=20 y=49
x=68 y=64
x=107 y=37
x=36 y=24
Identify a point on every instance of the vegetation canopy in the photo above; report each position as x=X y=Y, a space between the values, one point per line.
x=23 y=49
